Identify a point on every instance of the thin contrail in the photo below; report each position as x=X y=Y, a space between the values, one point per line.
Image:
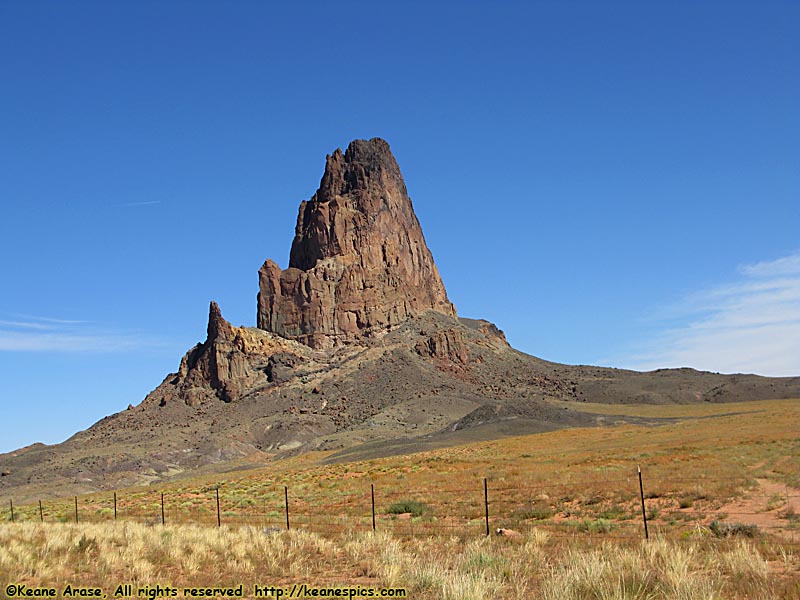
x=139 y=203
x=48 y=319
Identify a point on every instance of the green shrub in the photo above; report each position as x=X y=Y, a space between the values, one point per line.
x=595 y=526
x=538 y=513
x=721 y=529
x=416 y=509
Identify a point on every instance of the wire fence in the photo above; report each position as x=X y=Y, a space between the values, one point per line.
x=612 y=509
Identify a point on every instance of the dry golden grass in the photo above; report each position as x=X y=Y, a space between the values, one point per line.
x=449 y=568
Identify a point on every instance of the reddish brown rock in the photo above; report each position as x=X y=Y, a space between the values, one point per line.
x=217 y=363
x=359 y=264
x=229 y=364
x=225 y=365
x=446 y=344
x=491 y=330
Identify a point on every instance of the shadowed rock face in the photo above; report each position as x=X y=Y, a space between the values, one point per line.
x=218 y=365
x=359 y=265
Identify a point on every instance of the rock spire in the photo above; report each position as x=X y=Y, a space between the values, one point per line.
x=359 y=265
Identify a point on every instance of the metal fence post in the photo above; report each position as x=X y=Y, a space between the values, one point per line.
x=286 y=504
x=372 y=492
x=641 y=496
x=486 y=502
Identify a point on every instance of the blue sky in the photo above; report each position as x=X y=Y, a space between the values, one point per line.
x=612 y=183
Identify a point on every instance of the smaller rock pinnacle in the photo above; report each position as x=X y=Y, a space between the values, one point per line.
x=217 y=326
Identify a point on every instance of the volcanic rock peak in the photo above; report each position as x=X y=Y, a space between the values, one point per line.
x=218 y=327
x=359 y=264
x=366 y=180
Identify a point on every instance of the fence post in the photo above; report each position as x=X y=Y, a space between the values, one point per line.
x=11 y=503
x=219 y=521
x=163 y=522
x=788 y=508
x=41 y=512
x=641 y=496
x=486 y=502
x=76 y=509
x=286 y=504
x=372 y=492
x=115 y=506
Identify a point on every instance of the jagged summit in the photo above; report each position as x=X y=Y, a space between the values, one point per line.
x=366 y=174
x=364 y=163
x=359 y=265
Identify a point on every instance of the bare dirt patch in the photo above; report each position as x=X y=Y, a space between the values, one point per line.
x=773 y=507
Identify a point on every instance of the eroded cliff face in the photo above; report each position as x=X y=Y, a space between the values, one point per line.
x=231 y=361
x=359 y=265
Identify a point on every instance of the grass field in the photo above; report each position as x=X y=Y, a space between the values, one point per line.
x=530 y=566
x=720 y=486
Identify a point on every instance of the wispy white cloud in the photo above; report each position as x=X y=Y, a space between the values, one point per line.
x=788 y=265
x=48 y=320
x=24 y=325
x=46 y=334
x=748 y=326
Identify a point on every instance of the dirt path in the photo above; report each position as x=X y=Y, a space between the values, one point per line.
x=767 y=506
